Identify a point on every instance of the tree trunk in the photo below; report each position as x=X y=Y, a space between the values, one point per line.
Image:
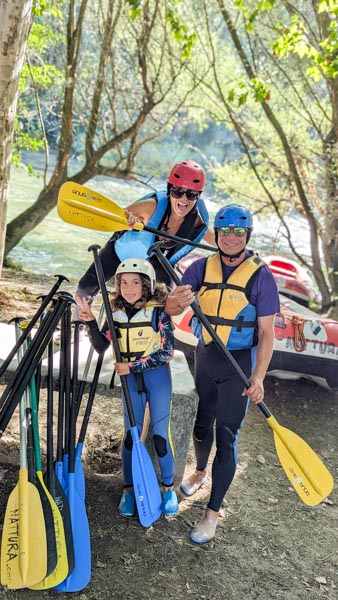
x=16 y=20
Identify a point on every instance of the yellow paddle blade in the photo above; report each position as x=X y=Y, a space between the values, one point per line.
x=83 y=207
x=310 y=478
x=75 y=191
x=61 y=570
x=92 y=217
x=24 y=544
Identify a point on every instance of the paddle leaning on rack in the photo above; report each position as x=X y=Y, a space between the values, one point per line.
x=35 y=318
x=24 y=551
x=146 y=488
x=308 y=475
x=83 y=207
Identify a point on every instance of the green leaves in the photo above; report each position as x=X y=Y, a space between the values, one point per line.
x=255 y=88
x=295 y=39
x=180 y=32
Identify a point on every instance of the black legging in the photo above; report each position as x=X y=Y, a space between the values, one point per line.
x=219 y=388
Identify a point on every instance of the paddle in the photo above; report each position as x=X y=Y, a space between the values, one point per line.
x=32 y=322
x=24 y=541
x=60 y=570
x=306 y=472
x=146 y=488
x=79 y=474
x=84 y=376
x=34 y=461
x=80 y=575
x=29 y=362
x=83 y=207
x=51 y=481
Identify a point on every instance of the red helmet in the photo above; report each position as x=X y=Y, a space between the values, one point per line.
x=188 y=174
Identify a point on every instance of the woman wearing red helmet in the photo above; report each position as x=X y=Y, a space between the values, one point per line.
x=179 y=210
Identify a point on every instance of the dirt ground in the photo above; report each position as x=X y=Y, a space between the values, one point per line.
x=268 y=543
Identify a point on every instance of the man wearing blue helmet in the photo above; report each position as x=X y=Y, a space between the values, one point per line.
x=237 y=293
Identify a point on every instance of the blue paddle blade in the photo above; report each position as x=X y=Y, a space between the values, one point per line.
x=79 y=473
x=147 y=492
x=80 y=576
x=60 y=474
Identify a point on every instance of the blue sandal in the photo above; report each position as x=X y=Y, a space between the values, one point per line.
x=127 y=506
x=169 y=503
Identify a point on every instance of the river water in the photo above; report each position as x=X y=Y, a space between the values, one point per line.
x=58 y=247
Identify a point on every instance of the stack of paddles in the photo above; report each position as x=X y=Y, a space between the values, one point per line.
x=46 y=537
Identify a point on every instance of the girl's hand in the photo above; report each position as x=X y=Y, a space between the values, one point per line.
x=122 y=368
x=85 y=312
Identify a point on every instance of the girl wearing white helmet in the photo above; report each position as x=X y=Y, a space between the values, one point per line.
x=146 y=342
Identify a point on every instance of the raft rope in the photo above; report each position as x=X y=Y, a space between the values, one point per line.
x=300 y=341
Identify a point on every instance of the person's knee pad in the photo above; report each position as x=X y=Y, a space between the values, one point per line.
x=225 y=440
x=160 y=445
x=201 y=433
x=128 y=441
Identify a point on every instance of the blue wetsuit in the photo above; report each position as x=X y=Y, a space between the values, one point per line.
x=221 y=404
x=149 y=381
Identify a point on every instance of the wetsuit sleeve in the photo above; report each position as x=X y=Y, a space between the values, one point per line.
x=88 y=284
x=97 y=338
x=161 y=356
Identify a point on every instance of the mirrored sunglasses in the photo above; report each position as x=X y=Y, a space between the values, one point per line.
x=178 y=192
x=238 y=231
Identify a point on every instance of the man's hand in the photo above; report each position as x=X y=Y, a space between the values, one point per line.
x=256 y=390
x=184 y=296
x=181 y=297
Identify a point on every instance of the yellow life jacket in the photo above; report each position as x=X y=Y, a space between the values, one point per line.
x=137 y=336
x=226 y=305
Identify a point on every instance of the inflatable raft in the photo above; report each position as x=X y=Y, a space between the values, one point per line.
x=292 y=280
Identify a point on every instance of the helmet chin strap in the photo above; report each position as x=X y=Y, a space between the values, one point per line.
x=231 y=257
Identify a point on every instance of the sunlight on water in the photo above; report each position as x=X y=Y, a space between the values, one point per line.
x=57 y=247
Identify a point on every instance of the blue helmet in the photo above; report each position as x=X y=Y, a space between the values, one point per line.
x=233 y=215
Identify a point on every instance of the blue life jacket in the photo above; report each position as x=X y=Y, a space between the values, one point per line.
x=136 y=243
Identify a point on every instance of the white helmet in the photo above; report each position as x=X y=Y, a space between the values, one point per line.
x=140 y=266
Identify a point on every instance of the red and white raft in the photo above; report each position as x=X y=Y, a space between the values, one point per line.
x=292 y=280
x=306 y=345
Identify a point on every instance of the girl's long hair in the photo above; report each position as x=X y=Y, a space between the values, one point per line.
x=159 y=296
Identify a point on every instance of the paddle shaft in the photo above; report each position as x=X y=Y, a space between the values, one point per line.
x=100 y=277
x=91 y=396
x=84 y=376
x=29 y=363
x=32 y=322
x=198 y=312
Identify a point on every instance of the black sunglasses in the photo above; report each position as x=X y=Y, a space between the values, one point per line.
x=178 y=192
x=238 y=231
